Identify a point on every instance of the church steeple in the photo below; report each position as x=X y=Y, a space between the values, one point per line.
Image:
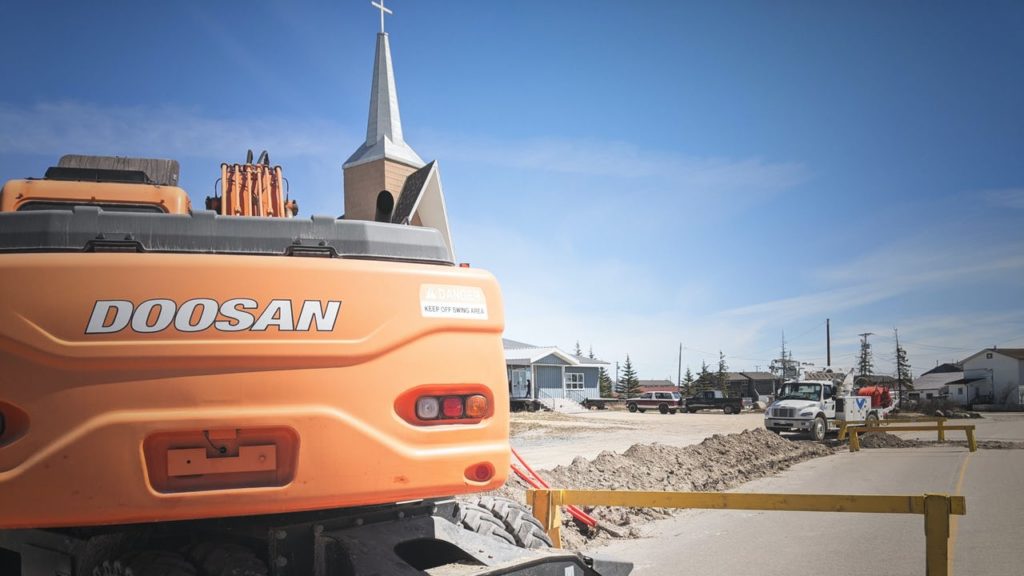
x=384 y=126
x=385 y=180
x=376 y=172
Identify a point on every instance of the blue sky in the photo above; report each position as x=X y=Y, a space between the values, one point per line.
x=637 y=174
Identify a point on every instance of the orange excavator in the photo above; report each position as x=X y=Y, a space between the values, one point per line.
x=240 y=392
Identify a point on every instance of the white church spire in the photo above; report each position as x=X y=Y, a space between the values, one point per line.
x=384 y=126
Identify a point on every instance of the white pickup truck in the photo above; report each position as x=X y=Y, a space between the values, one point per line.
x=816 y=407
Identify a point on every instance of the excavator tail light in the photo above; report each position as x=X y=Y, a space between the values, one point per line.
x=453 y=407
x=439 y=404
x=481 y=472
x=427 y=408
x=476 y=406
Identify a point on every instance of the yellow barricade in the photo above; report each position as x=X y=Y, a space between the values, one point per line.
x=888 y=422
x=940 y=427
x=936 y=508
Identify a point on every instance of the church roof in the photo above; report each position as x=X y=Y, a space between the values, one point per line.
x=410 y=196
x=384 y=126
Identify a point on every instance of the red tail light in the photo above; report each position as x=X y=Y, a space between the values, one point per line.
x=481 y=472
x=452 y=407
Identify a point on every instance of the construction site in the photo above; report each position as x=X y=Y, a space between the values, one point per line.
x=219 y=381
x=701 y=452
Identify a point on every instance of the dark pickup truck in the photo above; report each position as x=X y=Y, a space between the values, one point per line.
x=713 y=399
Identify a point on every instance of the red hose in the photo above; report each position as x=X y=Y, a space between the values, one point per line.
x=540 y=483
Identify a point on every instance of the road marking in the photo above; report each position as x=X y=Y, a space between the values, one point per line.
x=953 y=519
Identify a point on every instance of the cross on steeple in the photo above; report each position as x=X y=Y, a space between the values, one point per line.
x=380 y=6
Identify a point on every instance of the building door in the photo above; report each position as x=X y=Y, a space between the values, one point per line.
x=520 y=383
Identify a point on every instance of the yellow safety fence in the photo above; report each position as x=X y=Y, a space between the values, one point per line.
x=936 y=509
x=940 y=427
x=844 y=425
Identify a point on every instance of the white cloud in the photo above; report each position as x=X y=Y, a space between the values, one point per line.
x=1007 y=198
x=68 y=127
x=595 y=158
x=947 y=268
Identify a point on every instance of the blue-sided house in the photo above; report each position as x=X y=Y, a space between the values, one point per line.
x=545 y=374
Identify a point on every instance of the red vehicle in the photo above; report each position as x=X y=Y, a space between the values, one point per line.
x=664 y=402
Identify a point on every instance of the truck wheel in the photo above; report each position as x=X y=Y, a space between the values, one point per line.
x=871 y=420
x=671 y=410
x=631 y=407
x=663 y=408
x=691 y=410
x=226 y=559
x=147 y=563
x=727 y=409
x=818 y=429
x=641 y=410
x=518 y=521
x=476 y=518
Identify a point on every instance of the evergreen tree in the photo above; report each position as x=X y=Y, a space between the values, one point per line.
x=629 y=382
x=604 y=383
x=722 y=376
x=578 y=352
x=903 y=373
x=705 y=380
x=688 y=382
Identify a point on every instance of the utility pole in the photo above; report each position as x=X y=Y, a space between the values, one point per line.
x=864 y=364
x=616 y=375
x=828 y=341
x=899 y=370
x=679 y=372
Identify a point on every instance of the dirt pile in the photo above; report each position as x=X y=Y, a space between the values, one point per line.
x=718 y=463
x=994 y=444
x=886 y=440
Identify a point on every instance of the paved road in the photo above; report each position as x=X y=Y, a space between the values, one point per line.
x=985 y=542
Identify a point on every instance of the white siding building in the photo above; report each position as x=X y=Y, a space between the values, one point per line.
x=998 y=373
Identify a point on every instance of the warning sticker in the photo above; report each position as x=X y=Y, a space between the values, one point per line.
x=444 y=301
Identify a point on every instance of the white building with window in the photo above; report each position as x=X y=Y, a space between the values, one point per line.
x=995 y=376
x=547 y=373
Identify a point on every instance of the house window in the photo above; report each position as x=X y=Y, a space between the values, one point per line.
x=988 y=355
x=959 y=391
x=573 y=381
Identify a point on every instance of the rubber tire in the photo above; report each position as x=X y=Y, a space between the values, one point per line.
x=691 y=410
x=226 y=559
x=818 y=429
x=147 y=563
x=476 y=518
x=727 y=409
x=518 y=521
x=871 y=420
x=641 y=410
x=631 y=407
x=671 y=410
x=663 y=408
